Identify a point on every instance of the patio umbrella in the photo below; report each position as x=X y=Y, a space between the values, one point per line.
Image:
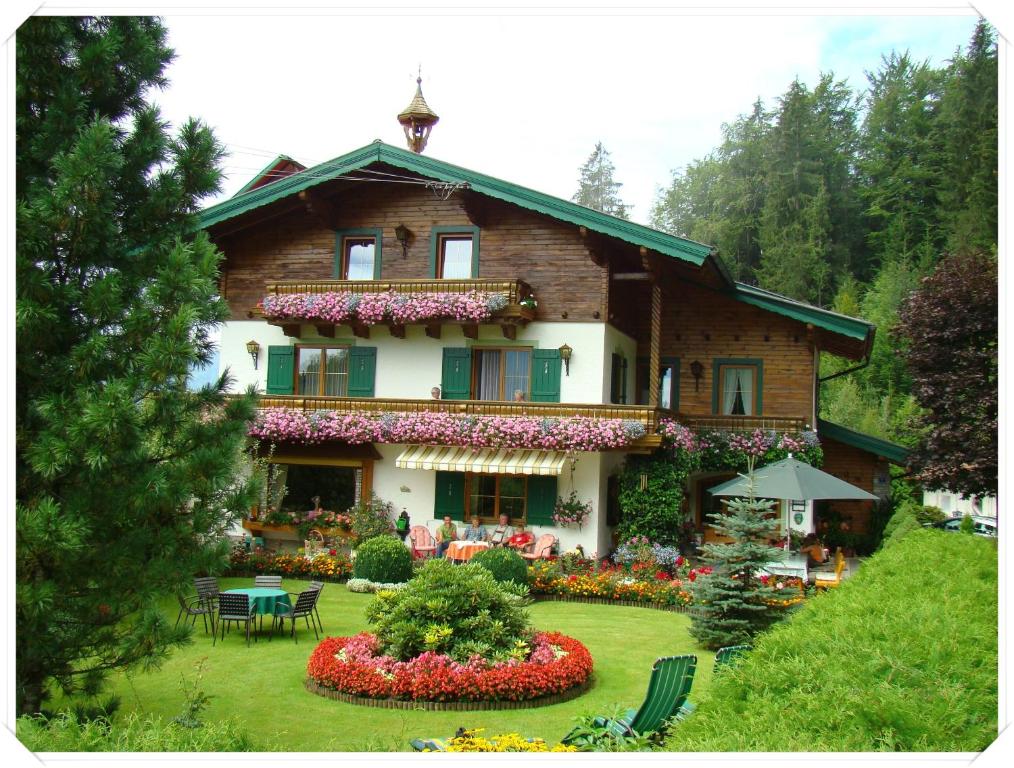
x=792 y=479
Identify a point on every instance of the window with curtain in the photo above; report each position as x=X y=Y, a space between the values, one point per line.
x=358 y=254
x=322 y=371
x=500 y=374
x=490 y=496
x=738 y=390
x=455 y=261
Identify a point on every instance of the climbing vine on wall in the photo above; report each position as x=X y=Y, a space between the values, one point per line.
x=653 y=488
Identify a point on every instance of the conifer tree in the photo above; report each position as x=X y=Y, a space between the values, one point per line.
x=126 y=481
x=729 y=606
x=597 y=189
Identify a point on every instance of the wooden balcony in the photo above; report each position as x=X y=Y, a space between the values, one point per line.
x=508 y=318
x=790 y=424
x=649 y=417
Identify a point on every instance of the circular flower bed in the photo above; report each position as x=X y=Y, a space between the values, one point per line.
x=351 y=665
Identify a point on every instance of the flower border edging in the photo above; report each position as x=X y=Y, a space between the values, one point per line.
x=607 y=601
x=447 y=706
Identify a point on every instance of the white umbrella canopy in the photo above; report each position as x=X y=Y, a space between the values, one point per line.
x=792 y=479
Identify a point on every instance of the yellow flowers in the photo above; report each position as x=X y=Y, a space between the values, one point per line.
x=471 y=741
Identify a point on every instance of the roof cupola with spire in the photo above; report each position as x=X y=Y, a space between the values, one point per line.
x=418 y=120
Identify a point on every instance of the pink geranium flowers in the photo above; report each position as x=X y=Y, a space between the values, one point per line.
x=340 y=307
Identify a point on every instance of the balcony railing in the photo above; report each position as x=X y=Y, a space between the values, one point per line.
x=790 y=424
x=649 y=417
x=509 y=318
x=515 y=290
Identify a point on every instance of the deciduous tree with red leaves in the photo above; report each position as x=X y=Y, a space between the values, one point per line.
x=951 y=321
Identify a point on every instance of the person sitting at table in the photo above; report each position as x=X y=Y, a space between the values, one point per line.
x=521 y=538
x=813 y=549
x=446 y=533
x=502 y=532
x=476 y=531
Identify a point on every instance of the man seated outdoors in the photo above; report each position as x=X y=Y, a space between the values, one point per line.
x=813 y=549
x=521 y=538
x=476 y=531
x=446 y=533
x=502 y=533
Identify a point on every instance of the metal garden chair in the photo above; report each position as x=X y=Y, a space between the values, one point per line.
x=303 y=609
x=236 y=608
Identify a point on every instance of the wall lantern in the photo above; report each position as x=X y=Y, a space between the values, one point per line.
x=696 y=370
x=254 y=349
x=565 y=353
x=403 y=234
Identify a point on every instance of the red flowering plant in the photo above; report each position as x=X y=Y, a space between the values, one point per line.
x=451 y=634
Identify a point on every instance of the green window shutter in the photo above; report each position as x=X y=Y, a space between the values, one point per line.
x=281 y=370
x=541 y=499
x=449 y=498
x=545 y=376
x=456 y=378
x=362 y=371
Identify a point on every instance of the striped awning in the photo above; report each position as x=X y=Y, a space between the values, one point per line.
x=488 y=460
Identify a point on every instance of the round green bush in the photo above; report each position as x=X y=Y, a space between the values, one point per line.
x=505 y=564
x=383 y=559
x=459 y=610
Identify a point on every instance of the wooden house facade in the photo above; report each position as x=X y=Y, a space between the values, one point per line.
x=592 y=317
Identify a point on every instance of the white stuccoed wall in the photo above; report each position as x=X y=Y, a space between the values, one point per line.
x=411 y=367
x=619 y=342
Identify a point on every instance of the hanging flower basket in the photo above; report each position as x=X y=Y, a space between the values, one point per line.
x=571 y=511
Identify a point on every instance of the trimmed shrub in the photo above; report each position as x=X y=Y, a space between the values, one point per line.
x=457 y=610
x=859 y=670
x=64 y=733
x=371 y=518
x=383 y=559
x=505 y=564
x=904 y=516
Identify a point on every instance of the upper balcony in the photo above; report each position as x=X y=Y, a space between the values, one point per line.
x=789 y=424
x=395 y=304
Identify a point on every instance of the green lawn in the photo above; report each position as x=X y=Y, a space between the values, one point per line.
x=262 y=686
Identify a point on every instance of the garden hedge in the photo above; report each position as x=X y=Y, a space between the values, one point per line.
x=901 y=657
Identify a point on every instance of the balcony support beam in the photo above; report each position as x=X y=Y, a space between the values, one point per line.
x=470 y=330
x=291 y=330
x=325 y=329
x=360 y=331
x=510 y=331
x=397 y=331
x=433 y=330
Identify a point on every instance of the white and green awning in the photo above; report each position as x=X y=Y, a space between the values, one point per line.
x=493 y=461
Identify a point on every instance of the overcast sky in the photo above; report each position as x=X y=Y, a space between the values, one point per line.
x=520 y=97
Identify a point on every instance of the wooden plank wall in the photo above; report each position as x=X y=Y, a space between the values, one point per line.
x=853 y=466
x=702 y=324
x=514 y=243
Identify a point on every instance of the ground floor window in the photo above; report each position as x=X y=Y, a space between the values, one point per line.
x=490 y=496
x=336 y=487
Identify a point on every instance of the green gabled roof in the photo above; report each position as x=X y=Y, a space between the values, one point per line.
x=897 y=454
x=850 y=327
x=378 y=152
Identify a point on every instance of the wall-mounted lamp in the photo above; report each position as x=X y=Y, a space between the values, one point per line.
x=696 y=370
x=565 y=353
x=254 y=349
x=403 y=234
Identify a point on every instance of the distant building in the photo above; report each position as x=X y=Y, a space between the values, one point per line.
x=956 y=505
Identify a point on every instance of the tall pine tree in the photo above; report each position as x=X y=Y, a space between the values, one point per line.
x=596 y=187
x=126 y=481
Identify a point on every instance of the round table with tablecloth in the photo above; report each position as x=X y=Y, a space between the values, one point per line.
x=460 y=551
x=264 y=600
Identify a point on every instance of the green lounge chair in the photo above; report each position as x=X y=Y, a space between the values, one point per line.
x=729 y=654
x=723 y=658
x=668 y=689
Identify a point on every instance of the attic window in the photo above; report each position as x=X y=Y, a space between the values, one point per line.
x=358 y=258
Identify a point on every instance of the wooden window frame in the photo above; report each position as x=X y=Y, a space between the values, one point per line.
x=439 y=235
x=470 y=476
x=474 y=385
x=717 y=377
x=341 y=266
x=323 y=360
x=666 y=361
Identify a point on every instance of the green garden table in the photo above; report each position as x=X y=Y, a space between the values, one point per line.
x=264 y=600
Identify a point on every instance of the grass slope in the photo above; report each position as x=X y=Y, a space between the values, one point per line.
x=262 y=686
x=902 y=657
